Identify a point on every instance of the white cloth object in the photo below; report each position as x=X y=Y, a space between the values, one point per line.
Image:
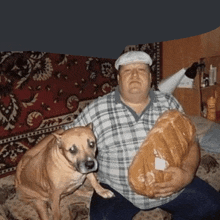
x=169 y=84
x=132 y=57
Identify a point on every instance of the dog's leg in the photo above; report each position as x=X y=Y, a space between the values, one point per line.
x=105 y=193
x=55 y=205
x=19 y=169
x=41 y=208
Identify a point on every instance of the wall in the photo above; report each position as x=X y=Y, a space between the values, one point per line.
x=183 y=52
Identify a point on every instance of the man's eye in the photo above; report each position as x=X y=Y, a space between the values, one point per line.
x=126 y=71
x=141 y=70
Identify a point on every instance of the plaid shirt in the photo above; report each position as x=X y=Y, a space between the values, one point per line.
x=120 y=132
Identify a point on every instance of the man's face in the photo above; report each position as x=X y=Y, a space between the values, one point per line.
x=134 y=78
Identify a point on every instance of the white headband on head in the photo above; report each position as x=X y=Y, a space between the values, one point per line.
x=133 y=56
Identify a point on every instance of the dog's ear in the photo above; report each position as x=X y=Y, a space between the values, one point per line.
x=58 y=138
x=90 y=125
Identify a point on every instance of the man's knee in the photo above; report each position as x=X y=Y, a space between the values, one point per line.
x=115 y=208
x=210 y=210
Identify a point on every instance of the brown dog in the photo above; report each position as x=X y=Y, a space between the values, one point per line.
x=57 y=166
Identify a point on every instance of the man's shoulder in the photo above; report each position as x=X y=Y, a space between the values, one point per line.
x=104 y=99
x=162 y=95
x=167 y=99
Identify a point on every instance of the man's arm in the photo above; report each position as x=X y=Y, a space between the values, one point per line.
x=191 y=163
x=181 y=177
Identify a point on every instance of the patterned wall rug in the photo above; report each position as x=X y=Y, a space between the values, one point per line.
x=40 y=92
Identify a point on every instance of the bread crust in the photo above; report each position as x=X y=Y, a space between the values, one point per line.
x=168 y=142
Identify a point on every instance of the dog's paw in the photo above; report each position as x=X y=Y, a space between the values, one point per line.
x=105 y=193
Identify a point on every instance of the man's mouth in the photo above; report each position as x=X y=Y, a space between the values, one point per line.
x=134 y=81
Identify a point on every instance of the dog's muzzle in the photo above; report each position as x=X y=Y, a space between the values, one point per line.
x=87 y=166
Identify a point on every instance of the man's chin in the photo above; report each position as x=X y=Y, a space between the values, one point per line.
x=135 y=91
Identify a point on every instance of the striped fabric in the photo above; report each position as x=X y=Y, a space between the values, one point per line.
x=120 y=132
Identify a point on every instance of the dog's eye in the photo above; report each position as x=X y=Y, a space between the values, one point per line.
x=73 y=150
x=92 y=144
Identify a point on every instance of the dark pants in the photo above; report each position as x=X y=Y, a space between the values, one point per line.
x=198 y=201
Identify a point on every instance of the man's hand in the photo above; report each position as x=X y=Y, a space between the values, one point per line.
x=179 y=179
x=180 y=176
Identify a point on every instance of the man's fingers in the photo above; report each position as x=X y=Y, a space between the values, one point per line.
x=163 y=194
x=163 y=190
x=163 y=185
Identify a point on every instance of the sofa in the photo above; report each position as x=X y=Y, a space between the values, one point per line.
x=40 y=92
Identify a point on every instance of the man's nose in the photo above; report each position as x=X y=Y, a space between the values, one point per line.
x=134 y=72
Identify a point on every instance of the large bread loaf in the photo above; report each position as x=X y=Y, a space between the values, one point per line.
x=167 y=144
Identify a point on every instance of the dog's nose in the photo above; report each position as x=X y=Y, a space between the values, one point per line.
x=89 y=164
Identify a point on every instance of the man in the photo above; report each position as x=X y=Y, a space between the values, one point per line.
x=122 y=120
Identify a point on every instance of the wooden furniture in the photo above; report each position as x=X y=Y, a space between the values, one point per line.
x=194 y=99
x=207 y=92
